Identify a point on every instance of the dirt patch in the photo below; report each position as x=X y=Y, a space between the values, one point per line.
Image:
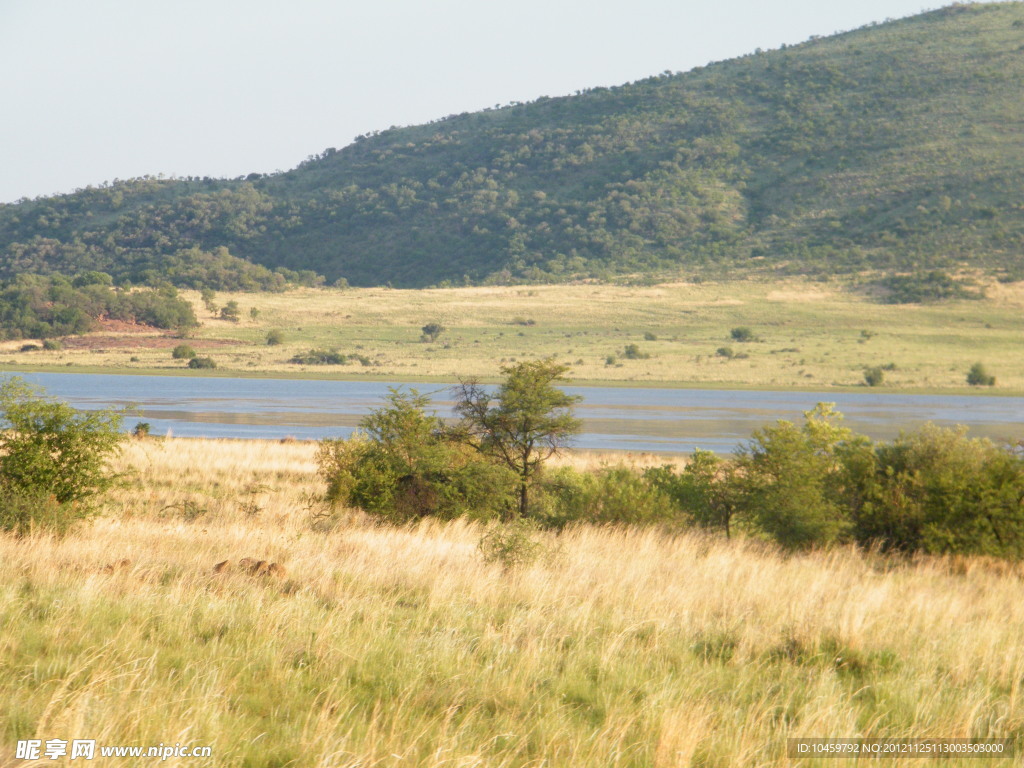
x=799 y=295
x=148 y=340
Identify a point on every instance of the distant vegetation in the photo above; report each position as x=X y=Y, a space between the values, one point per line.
x=893 y=147
x=41 y=307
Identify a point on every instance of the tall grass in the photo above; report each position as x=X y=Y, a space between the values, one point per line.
x=401 y=647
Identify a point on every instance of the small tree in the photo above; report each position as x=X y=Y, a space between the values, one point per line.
x=231 y=312
x=274 y=338
x=202 y=362
x=979 y=377
x=521 y=425
x=791 y=479
x=53 y=455
x=207 y=296
x=873 y=377
x=183 y=352
x=742 y=334
x=431 y=331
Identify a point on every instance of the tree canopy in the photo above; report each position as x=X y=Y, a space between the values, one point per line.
x=522 y=424
x=894 y=147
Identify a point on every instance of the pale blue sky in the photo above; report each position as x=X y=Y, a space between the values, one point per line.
x=94 y=90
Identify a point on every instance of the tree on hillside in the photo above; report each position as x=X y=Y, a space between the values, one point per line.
x=522 y=424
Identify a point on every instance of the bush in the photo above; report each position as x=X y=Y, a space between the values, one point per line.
x=632 y=352
x=939 y=492
x=924 y=287
x=53 y=458
x=141 y=430
x=512 y=545
x=979 y=377
x=183 y=352
x=431 y=331
x=202 y=362
x=274 y=338
x=705 y=493
x=725 y=352
x=789 y=480
x=650 y=336
x=52 y=345
x=320 y=357
x=24 y=510
x=742 y=334
x=873 y=377
x=406 y=465
x=231 y=312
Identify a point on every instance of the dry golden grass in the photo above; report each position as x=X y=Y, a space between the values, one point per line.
x=810 y=334
x=402 y=647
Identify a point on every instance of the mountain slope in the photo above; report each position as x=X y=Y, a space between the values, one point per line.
x=899 y=145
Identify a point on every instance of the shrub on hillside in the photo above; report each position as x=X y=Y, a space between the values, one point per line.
x=202 y=362
x=183 y=352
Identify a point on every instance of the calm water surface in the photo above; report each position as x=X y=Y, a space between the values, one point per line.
x=633 y=419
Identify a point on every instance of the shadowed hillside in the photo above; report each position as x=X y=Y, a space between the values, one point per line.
x=895 y=146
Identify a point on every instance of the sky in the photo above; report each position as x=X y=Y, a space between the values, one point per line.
x=106 y=89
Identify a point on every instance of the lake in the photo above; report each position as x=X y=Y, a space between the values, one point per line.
x=614 y=418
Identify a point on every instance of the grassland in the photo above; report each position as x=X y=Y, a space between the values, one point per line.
x=810 y=335
x=401 y=647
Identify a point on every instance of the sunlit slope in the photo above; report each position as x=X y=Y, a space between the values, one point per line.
x=896 y=145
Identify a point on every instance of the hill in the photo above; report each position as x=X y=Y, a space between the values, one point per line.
x=896 y=146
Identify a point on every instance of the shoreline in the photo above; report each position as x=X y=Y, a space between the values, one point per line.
x=965 y=391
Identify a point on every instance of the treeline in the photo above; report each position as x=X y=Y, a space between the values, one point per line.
x=890 y=148
x=43 y=307
x=816 y=484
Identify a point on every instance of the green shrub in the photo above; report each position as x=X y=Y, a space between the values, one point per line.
x=431 y=331
x=406 y=465
x=141 y=430
x=743 y=333
x=650 y=336
x=202 y=362
x=937 y=491
x=705 y=493
x=231 y=312
x=924 y=287
x=874 y=377
x=274 y=338
x=979 y=377
x=512 y=545
x=725 y=352
x=23 y=511
x=632 y=352
x=183 y=352
x=52 y=344
x=320 y=357
x=789 y=480
x=52 y=456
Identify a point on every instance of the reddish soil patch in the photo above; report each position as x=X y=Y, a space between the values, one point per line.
x=119 y=334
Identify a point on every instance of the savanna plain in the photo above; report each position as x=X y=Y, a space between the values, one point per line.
x=402 y=646
x=802 y=334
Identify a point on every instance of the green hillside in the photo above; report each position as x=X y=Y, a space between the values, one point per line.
x=896 y=146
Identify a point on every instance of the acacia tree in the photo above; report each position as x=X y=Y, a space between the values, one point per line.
x=522 y=424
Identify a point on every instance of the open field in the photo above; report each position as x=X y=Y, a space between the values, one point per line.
x=810 y=335
x=401 y=647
